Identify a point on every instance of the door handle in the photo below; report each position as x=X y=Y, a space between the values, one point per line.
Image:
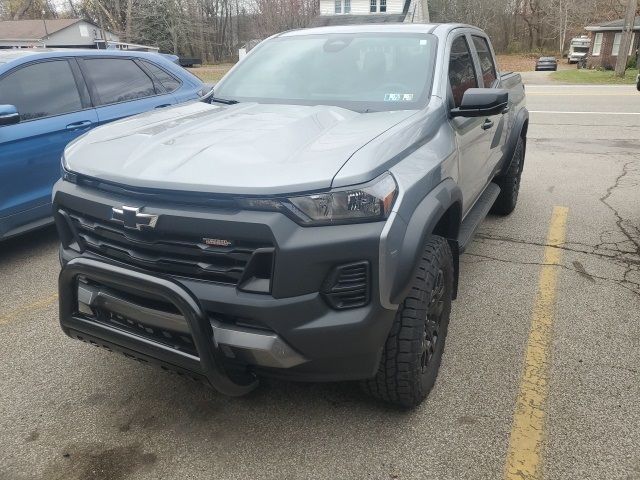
x=164 y=105
x=80 y=124
x=487 y=124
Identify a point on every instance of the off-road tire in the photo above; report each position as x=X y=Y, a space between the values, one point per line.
x=413 y=350
x=509 y=182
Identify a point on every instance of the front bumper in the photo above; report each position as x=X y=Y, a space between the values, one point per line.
x=292 y=332
x=207 y=363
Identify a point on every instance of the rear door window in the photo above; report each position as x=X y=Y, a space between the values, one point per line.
x=41 y=90
x=118 y=80
x=462 y=73
x=487 y=65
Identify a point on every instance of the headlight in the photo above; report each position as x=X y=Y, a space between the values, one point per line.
x=65 y=173
x=366 y=203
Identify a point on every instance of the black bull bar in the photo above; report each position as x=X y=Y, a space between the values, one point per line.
x=208 y=364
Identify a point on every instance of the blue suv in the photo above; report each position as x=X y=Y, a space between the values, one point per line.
x=48 y=98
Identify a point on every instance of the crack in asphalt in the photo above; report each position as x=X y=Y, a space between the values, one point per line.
x=631 y=233
x=625 y=253
x=619 y=220
x=631 y=286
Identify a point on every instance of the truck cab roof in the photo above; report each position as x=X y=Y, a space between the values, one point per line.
x=439 y=29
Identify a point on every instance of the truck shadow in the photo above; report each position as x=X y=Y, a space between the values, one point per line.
x=21 y=245
x=152 y=402
x=152 y=413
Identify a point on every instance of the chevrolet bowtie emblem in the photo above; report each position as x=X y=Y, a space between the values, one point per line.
x=131 y=218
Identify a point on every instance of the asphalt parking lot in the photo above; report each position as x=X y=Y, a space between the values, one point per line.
x=567 y=262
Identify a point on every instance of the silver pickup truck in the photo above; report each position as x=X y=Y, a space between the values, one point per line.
x=304 y=221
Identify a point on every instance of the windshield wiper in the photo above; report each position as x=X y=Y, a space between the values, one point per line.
x=224 y=101
x=209 y=97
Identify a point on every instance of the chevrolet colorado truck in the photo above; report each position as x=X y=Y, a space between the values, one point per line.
x=304 y=221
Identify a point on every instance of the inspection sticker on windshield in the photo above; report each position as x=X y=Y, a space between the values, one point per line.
x=398 y=97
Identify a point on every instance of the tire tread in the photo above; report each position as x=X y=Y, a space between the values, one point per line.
x=398 y=380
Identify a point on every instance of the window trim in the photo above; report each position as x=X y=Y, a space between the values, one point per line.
x=598 y=36
x=70 y=61
x=95 y=96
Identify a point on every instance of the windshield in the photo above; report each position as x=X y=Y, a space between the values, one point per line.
x=580 y=49
x=362 y=72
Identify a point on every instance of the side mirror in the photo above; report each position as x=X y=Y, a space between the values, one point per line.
x=482 y=102
x=206 y=92
x=9 y=115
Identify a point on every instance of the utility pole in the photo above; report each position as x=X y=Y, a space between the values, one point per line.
x=625 y=43
x=425 y=11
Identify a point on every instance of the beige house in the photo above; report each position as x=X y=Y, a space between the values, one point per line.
x=58 y=33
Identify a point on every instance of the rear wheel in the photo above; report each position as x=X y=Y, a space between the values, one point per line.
x=509 y=182
x=413 y=350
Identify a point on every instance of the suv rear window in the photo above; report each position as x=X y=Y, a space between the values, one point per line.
x=167 y=80
x=118 y=80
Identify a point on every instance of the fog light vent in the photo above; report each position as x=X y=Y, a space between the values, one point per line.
x=347 y=286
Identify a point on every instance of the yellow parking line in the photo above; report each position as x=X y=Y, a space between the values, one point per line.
x=527 y=432
x=45 y=302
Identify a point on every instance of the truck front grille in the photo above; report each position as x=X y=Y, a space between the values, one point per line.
x=167 y=253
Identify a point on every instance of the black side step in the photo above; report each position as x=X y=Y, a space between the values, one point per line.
x=474 y=218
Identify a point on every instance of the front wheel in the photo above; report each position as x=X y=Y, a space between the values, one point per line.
x=413 y=350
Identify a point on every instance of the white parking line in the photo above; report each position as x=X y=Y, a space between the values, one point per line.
x=557 y=112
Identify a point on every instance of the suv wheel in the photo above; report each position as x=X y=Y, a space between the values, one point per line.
x=413 y=350
x=509 y=183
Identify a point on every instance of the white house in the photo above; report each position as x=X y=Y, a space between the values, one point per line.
x=340 y=12
x=56 y=33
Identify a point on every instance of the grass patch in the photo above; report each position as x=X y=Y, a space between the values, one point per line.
x=211 y=73
x=524 y=62
x=594 y=77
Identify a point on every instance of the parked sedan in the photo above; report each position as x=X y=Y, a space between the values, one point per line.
x=547 y=64
x=49 y=97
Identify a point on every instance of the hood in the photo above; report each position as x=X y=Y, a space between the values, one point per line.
x=250 y=148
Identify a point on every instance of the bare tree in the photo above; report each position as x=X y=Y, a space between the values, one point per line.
x=215 y=29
